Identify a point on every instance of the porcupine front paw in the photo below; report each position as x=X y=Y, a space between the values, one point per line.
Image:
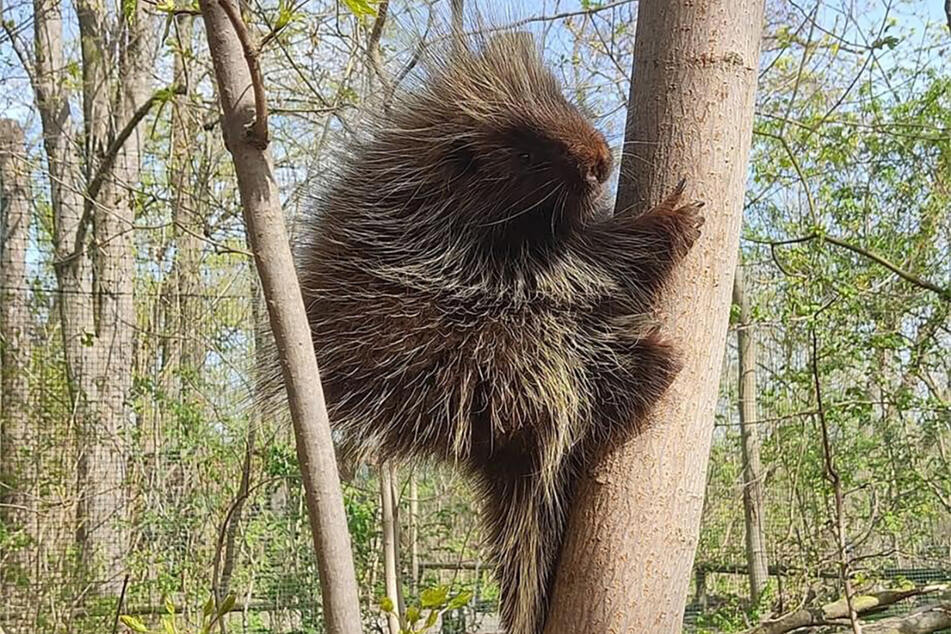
x=681 y=222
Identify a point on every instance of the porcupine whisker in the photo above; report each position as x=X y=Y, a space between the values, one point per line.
x=524 y=211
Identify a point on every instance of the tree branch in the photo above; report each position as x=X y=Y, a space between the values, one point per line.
x=105 y=166
x=257 y=131
x=944 y=293
x=863 y=604
x=832 y=475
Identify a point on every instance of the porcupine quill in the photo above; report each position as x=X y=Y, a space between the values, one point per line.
x=471 y=301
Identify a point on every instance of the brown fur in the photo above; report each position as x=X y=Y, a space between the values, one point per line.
x=470 y=304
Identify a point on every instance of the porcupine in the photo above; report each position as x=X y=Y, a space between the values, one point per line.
x=471 y=302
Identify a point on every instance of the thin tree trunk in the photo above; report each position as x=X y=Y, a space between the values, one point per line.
x=17 y=476
x=753 y=475
x=414 y=531
x=15 y=342
x=244 y=124
x=113 y=89
x=230 y=557
x=188 y=223
x=390 y=558
x=626 y=564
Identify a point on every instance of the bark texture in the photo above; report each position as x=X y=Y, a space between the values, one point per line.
x=391 y=575
x=15 y=343
x=626 y=563
x=17 y=439
x=268 y=236
x=753 y=475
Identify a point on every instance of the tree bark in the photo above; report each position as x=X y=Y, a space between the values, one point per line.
x=15 y=342
x=753 y=475
x=626 y=563
x=391 y=575
x=243 y=104
x=17 y=442
x=115 y=84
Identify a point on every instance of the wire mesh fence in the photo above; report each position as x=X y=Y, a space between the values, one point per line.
x=198 y=496
x=138 y=477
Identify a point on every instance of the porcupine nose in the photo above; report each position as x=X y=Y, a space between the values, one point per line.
x=596 y=171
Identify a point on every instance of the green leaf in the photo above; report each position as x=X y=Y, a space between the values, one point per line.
x=168 y=624
x=285 y=13
x=386 y=604
x=431 y=619
x=133 y=623
x=433 y=597
x=361 y=8
x=458 y=601
x=128 y=9
x=227 y=604
x=209 y=608
x=169 y=606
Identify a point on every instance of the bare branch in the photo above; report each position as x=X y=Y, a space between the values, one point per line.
x=105 y=167
x=257 y=130
x=832 y=475
x=944 y=293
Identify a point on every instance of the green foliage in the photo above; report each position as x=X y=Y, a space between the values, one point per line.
x=433 y=602
x=170 y=620
x=362 y=8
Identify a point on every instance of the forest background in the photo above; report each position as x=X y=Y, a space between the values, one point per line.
x=133 y=464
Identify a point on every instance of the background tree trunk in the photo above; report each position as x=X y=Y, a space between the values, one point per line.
x=634 y=526
x=15 y=342
x=753 y=473
x=391 y=575
x=113 y=89
x=17 y=442
x=244 y=125
x=414 y=531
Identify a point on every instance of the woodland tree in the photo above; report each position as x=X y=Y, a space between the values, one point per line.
x=634 y=527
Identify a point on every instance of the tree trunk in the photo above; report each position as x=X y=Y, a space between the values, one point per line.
x=73 y=271
x=113 y=88
x=414 y=532
x=635 y=522
x=753 y=475
x=188 y=223
x=244 y=125
x=391 y=576
x=17 y=477
x=15 y=342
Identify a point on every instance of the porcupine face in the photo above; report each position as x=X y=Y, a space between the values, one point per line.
x=548 y=161
x=522 y=162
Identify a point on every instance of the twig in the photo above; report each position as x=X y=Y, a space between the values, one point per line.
x=373 y=52
x=115 y=621
x=833 y=477
x=258 y=130
x=105 y=166
x=113 y=151
x=944 y=293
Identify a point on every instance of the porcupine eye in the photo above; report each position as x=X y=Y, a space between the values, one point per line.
x=463 y=158
x=525 y=158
